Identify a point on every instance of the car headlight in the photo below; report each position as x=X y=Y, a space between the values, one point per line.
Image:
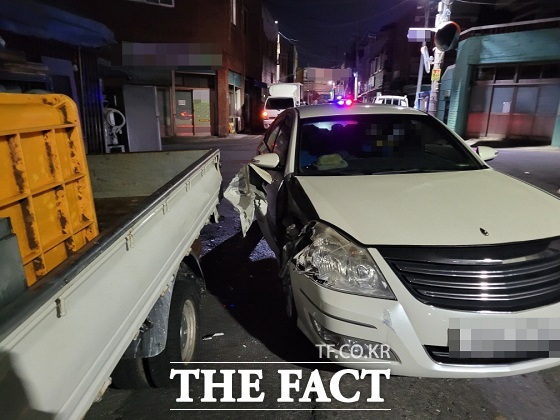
x=333 y=261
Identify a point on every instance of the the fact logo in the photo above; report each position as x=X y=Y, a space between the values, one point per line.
x=248 y=385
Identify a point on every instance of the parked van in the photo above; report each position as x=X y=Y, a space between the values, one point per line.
x=391 y=100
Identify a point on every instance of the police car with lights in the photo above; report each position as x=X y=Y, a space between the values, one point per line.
x=391 y=100
x=391 y=231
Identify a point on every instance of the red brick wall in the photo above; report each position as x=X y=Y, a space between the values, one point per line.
x=190 y=21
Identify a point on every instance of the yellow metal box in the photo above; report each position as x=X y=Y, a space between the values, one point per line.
x=45 y=187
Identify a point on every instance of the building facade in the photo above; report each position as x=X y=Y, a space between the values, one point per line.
x=506 y=83
x=178 y=68
x=321 y=85
x=386 y=63
x=48 y=49
x=502 y=81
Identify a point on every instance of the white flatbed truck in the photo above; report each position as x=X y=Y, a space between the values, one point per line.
x=124 y=305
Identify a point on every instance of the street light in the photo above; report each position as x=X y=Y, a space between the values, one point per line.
x=333 y=89
x=277 y=52
x=445 y=39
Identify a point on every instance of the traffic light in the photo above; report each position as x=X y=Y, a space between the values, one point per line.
x=447 y=35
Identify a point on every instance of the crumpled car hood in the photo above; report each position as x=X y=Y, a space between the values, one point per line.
x=444 y=208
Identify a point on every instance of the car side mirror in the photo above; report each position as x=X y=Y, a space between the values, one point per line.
x=266 y=161
x=486 y=153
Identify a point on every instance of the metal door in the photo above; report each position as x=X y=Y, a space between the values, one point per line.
x=142 y=118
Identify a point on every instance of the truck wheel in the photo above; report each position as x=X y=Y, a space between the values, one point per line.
x=183 y=333
x=129 y=374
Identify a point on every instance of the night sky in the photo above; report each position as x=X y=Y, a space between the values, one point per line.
x=323 y=30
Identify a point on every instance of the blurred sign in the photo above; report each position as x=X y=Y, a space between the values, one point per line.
x=419 y=34
x=436 y=75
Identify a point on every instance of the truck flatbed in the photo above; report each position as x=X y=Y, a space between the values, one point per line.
x=65 y=334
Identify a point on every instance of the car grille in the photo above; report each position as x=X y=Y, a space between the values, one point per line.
x=441 y=355
x=502 y=278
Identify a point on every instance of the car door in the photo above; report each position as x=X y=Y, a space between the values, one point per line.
x=277 y=141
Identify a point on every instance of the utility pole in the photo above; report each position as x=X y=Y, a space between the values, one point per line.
x=421 y=63
x=277 y=52
x=443 y=16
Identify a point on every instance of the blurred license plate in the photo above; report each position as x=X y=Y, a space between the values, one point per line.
x=503 y=338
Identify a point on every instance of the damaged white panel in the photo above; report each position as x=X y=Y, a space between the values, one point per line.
x=387 y=319
x=245 y=196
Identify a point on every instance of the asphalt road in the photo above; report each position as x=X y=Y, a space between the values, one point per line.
x=245 y=328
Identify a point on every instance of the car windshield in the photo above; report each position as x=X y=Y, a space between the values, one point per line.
x=379 y=144
x=279 y=103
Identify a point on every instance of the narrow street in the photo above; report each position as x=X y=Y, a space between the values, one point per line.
x=100 y=221
x=244 y=328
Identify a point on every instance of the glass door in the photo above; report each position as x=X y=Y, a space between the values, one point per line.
x=184 y=116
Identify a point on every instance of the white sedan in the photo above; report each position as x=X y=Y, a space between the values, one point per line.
x=399 y=247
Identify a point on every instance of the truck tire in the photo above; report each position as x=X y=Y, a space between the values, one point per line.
x=129 y=374
x=183 y=332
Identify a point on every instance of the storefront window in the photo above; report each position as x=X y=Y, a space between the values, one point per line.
x=501 y=102
x=505 y=73
x=551 y=71
x=548 y=99
x=485 y=73
x=530 y=72
x=526 y=100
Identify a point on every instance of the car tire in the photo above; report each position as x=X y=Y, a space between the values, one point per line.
x=183 y=333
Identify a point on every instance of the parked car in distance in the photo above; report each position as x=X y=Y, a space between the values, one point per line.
x=392 y=233
x=391 y=100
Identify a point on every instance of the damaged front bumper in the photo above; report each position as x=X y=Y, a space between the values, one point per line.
x=380 y=324
x=405 y=330
x=245 y=196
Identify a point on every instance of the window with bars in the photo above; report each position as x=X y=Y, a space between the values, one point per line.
x=520 y=73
